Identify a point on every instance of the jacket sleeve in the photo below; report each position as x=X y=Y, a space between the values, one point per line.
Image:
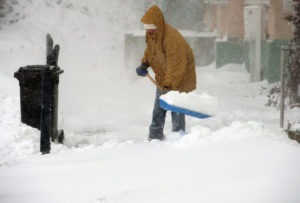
x=176 y=63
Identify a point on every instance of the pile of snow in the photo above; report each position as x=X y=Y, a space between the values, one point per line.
x=240 y=149
x=238 y=155
x=202 y=103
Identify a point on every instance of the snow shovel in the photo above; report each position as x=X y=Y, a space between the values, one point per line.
x=191 y=104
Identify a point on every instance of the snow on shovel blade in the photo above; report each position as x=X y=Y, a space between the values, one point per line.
x=191 y=104
x=176 y=109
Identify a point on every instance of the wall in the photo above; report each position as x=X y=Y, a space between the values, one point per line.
x=282 y=29
x=235 y=19
x=228 y=20
x=271 y=59
x=183 y=15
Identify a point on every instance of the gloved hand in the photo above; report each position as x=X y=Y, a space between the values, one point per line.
x=142 y=70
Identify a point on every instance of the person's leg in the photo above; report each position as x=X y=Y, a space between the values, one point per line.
x=158 y=119
x=178 y=122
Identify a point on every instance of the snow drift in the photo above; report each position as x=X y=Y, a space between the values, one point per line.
x=239 y=155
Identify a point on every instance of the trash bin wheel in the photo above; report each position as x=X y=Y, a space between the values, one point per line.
x=60 y=136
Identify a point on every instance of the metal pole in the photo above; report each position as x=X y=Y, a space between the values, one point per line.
x=49 y=45
x=46 y=111
x=282 y=64
x=55 y=72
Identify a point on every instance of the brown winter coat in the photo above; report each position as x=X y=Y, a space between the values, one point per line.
x=168 y=54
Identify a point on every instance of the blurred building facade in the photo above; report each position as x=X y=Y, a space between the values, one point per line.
x=253 y=32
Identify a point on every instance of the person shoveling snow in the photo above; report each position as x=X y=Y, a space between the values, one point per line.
x=172 y=61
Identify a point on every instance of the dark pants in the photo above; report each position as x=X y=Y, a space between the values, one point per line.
x=158 y=120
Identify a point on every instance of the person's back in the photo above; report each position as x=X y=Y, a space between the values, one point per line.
x=180 y=54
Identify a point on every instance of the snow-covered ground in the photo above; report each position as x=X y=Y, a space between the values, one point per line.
x=239 y=155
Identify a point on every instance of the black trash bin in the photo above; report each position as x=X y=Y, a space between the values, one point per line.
x=32 y=92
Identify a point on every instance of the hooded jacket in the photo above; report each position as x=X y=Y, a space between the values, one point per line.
x=168 y=54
